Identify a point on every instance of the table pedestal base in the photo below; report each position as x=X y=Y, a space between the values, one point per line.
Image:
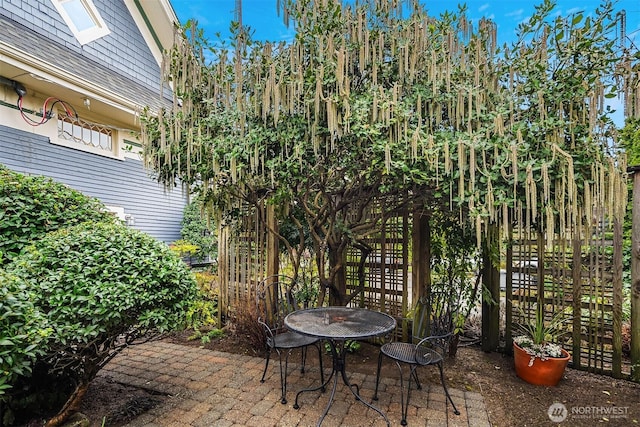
x=338 y=354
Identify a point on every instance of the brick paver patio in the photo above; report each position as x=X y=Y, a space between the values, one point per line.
x=208 y=388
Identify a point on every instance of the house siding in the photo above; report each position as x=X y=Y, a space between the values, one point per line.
x=123 y=183
x=124 y=50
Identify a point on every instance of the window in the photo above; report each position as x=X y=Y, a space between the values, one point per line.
x=83 y=19
x=87 y=135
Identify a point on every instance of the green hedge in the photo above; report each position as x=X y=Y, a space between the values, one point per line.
x=23 y=331
x=100 y=286
x=95 y=281
x=31 y=206
x=78 y=286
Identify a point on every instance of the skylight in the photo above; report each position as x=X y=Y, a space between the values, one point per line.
x=82 y=18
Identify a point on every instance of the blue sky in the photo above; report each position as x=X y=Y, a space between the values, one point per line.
x=261 y=15
x=215 y=15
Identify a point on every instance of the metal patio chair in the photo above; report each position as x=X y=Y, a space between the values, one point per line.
x=431 y=334
x=275 y=298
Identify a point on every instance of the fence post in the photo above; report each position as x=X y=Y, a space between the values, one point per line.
x=491 y=293
x=223 y=272
x=635 y=276
x=420 y=271
x=616 y=363
x=508 y=293
x=273 y=252
x=576 y=300
x=420 y=259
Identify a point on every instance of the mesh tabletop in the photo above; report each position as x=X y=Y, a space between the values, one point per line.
x=340 y=323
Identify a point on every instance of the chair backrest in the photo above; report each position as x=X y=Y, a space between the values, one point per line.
x=433 y=316
x=275 y=298
x=433 y=324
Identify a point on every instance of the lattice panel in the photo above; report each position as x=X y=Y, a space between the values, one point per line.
x=589 y=306
x=387 y=278
x=242 y=258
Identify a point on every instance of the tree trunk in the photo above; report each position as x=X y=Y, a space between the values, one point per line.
x=72 y=405
x=338 y=295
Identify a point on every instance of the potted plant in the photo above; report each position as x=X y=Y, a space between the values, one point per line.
x=538 y=358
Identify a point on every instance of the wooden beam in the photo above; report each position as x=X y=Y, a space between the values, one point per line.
x=273 y=250
x=635 y=281
x=491 y=282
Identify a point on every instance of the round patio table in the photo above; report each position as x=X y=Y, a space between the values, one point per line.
x=337 y=325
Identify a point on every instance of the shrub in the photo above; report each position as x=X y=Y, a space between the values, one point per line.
x=196 y=231
x=243 y=320
x=202 y=315
x=203 y=312
x=23 y=331
x=101 y=286
x=31 y=206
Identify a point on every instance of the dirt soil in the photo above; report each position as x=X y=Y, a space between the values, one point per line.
x=590 y=399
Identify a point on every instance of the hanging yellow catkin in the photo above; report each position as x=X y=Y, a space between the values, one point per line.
x=527 y=193
x=541 y=106
x=490 y=202
x=429 y=149
x=461 y=169
x=447 y=158
x=318 y=92
x=546 y=183
x=549 y=226
x=232 y=167
x=603 y=186
x=340 y=70
x=472 y=167
x=560 y=201
x=531 y=183
x=374 y=107
x=498 y=124
x=381 y=49
x=478 y=231
x=432 y=72
x=415 y=138
x=387 y=156
x=505 y=219
x=621 y=200
x=588 y=203
x=572 y=190
x=470 y=111
x=611 y=173
x=277 y=101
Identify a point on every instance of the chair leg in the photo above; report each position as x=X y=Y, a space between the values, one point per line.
x=455 y=410
x=404 y=403
x=375 y=394
x=303 y=351
x=283 y=377
x=319 y=347
x=415 y=378
x=266 y=365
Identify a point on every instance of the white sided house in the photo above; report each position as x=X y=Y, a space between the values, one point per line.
x=74 y=77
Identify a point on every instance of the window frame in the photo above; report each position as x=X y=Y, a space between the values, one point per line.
x=88 y=35
x=113 y=152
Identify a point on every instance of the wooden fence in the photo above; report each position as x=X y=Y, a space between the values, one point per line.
x=580 y=277
x=575 y=281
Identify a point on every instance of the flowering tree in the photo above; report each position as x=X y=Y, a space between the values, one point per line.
x=376 y=103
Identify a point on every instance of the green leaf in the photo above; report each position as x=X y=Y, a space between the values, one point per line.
x=576 y=19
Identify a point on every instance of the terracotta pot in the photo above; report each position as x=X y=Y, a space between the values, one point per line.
x=542 y=372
